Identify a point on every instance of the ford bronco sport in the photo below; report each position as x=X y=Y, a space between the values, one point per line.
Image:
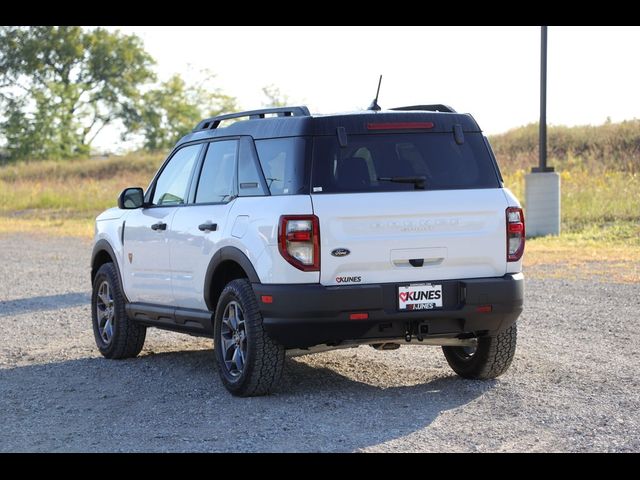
x=291 y=232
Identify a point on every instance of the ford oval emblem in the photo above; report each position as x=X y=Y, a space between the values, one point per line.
x=340 y=252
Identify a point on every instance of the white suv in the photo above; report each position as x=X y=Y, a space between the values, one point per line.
x=301 y=233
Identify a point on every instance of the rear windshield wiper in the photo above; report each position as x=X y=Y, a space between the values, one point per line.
x=418 y=182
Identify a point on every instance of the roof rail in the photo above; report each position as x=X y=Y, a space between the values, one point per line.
x=429 y=108
x=213 y=122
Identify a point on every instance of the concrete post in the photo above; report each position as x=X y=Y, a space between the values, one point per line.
x=542 y=204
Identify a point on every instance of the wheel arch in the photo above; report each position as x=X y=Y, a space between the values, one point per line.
x=229 y=263
x=103 y=253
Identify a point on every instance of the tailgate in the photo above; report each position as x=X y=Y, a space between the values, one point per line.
x=411 y=236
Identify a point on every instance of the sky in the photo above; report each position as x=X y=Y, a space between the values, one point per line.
x=490 y=72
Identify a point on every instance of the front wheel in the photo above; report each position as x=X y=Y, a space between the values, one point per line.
x=250 y=363
x=490 y=358
x=116 y=335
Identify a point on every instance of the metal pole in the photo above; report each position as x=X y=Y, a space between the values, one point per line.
x=543 y=101
x=542 y=186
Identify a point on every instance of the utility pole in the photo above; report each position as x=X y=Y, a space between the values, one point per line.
x=542 y=185
x=542 y=167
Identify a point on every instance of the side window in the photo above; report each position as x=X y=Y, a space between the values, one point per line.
x=249 y=181
x=284 y=163
x=172 y=184
x=217 y=178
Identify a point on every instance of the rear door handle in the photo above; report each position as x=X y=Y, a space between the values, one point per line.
x=208 y=227
x=159 y=226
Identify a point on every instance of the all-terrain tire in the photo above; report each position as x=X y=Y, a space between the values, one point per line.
x=264 y=361
x=491 y=359
x=127 y=338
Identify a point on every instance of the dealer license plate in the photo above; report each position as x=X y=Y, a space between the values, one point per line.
x=425 y=296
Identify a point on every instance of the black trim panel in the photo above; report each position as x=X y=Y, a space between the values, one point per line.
x=103 y=246
x=186 y=320
x=222 y=255
x=306 y=315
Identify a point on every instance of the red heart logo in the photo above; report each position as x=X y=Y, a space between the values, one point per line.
x=403 y=296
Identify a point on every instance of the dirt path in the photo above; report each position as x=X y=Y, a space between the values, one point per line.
x=574 y=385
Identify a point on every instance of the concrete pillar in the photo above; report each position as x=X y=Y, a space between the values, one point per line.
x=542 y=207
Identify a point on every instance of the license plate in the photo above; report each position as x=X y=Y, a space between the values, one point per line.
x=425 y=296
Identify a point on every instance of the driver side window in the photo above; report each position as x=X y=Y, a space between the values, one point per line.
x=173 y=183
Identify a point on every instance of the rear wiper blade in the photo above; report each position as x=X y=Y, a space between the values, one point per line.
x=418 y=182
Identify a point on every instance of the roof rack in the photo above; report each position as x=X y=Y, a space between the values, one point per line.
x=213 y=122
x=429 y=108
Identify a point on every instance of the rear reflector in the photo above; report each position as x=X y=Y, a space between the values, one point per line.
x=359 y=316
x=400 y=126
x=266 y=299
x=299 y=236
x=484 y=308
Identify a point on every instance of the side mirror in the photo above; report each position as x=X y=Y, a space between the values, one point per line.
x=131 y=198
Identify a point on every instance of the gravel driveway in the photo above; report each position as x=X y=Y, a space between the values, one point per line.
x=574 y=384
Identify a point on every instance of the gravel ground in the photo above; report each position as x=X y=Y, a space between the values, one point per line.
x=573 y=386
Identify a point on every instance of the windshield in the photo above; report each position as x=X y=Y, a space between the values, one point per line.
x=401 y=161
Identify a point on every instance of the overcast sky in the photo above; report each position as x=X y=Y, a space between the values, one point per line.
x=491 y=72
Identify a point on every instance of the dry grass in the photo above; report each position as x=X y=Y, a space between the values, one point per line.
x=47 y=225
x=588 y=198
x=80 y=187
x=600 y=213
x=596 y=148
x=608 y=252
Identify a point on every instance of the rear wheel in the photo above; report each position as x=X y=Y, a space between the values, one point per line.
x=250 y=363
x=490 y=358
x=115 y=334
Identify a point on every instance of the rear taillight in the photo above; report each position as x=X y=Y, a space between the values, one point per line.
x=299 y=241
x=515 y=234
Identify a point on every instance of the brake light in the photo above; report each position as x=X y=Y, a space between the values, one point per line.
x=299 y=241
x=515 y=234
x=400 y=126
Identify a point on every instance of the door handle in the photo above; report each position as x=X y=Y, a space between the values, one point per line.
x=159 y=226
x=208 y=227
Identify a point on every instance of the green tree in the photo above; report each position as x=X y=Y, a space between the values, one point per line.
x=274 y=97
x=172 y=110
x=60 y=86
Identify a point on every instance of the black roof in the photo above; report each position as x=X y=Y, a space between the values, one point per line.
x=300 y=124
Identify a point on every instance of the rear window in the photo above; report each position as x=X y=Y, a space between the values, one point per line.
x=284 y=162
x=367 y=160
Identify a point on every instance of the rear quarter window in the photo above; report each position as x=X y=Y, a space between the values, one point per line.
x=285 y=164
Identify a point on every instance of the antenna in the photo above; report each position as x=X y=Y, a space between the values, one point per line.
x=374 y=105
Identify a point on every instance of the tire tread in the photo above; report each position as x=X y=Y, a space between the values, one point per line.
x=492 y=359
x=268 y=356
x=129 y=337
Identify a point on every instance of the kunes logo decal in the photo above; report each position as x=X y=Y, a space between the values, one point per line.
x=348 y=279
x=418 y=296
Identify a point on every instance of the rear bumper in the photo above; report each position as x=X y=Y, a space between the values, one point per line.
x=306 y=315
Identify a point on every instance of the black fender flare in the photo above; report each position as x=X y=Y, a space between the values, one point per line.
x=103 y=245
x=223 y=255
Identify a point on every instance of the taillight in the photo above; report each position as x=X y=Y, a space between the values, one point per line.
x=299 y=241
x=515 y=234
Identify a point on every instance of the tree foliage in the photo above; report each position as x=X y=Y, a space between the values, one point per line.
x=173 y=108
x=60 y=86
x=274 y=97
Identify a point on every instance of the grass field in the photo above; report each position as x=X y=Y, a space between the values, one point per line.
x=600 y=204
